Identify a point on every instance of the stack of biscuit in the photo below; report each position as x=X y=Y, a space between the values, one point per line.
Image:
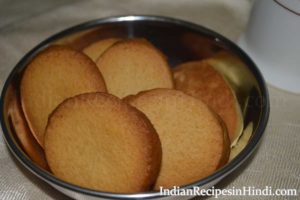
x=114 y=117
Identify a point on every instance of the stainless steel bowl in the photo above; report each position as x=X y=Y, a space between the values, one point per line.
x=180 y=41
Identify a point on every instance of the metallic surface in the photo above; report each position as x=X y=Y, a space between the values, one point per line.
x=180 y=41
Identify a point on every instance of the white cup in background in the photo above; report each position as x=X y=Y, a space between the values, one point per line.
x=272 y=39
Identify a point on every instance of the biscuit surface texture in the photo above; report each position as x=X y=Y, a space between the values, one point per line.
x=97 y=48
x=55 y=74
x=97 y=141
x=199 y=79
x=192 y=137
x=134 y=65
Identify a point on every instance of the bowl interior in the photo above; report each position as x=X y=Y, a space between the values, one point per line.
x=180 y=42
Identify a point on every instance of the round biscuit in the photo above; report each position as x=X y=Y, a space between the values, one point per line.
x=192 y=138
x=134 y=65
x=200 y=80
x=58 y=72
x=97 y=141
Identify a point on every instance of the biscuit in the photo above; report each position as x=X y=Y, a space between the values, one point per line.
x=25 y=137
x=227 y=150
x=97 y=141
x=134 y=65
x=191 y=136
x=199 y=79
x=53 y=75
x=229 y=65
x=96 y=49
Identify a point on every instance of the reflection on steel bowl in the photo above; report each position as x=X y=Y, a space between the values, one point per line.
x=181 y=41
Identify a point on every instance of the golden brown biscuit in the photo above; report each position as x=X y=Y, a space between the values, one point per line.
x=134 y=65
x=97 y=141
x=201 y=80
x=192 y=138
x=55 y=74
x=96 y=49
x=226 y=150
x=26 y=139
x=231 y=67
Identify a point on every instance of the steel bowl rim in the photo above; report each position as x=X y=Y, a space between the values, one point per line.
x=232 y=165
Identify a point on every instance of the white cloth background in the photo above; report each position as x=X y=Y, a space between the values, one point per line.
x=23 y=24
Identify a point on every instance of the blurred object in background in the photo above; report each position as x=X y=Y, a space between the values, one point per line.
x=272 y=40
